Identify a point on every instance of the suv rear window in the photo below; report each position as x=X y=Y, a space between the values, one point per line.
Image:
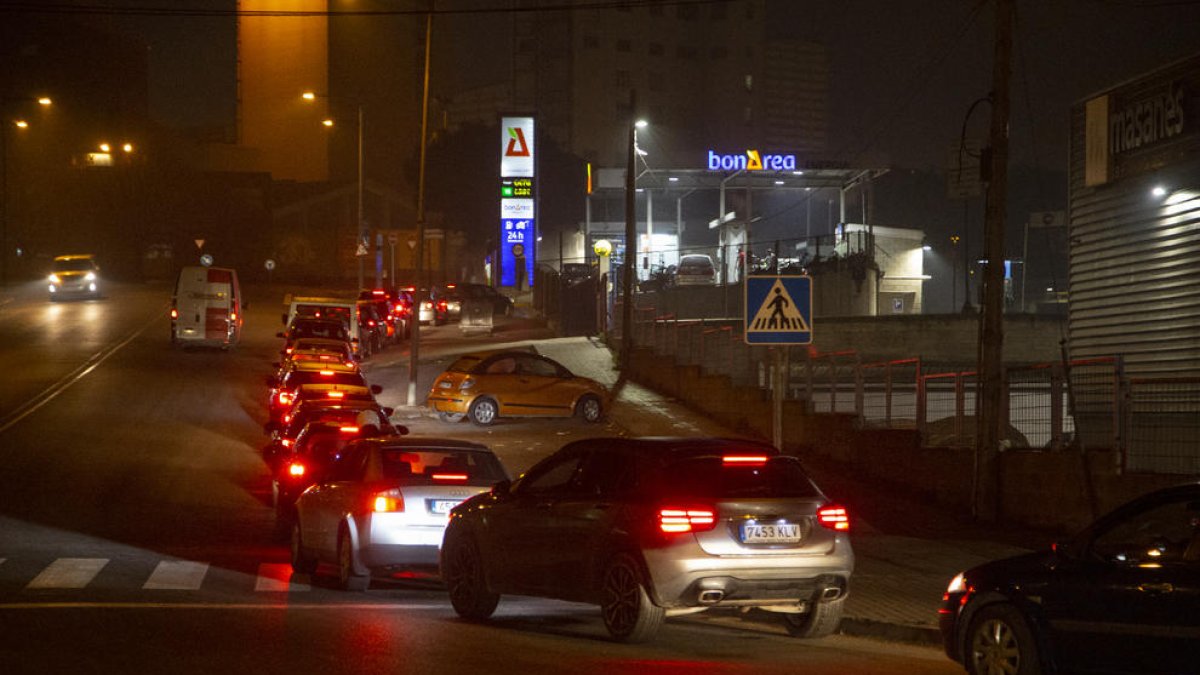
x=710 y=478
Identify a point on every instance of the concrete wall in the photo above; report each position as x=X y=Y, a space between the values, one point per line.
x=1038 y=488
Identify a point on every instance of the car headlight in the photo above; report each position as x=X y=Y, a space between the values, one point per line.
x=466 y=384
x=91 y=276
x=54 y=279
x=958 y=584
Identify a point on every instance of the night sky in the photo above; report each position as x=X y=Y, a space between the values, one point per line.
x=903 y=73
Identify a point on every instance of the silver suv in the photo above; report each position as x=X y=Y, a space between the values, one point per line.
x=655 y=527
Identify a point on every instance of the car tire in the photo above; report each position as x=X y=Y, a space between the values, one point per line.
x=349 y=578
x=464 y=578
x=303 y=562
x=629 y=613
x=589 y=409
x=822 y=620
x=450 y=417
x=999 y=640
x=484 y=411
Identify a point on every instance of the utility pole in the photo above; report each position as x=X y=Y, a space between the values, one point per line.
x=630 y=241
x=989 y=402
x=419 y=294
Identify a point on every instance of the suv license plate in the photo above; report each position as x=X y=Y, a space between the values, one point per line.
x=443 y=506
x=785 y=533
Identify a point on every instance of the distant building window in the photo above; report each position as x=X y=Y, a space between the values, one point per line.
x=623 y=78
x=718 y=52
x=686 y=12
x=591 y=41
x=624 y=45
x=656 y=49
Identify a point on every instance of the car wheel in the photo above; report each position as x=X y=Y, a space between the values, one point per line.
x=821 y=620
x=629 y=614
x=348 y=576
x=302 y=561
x=999 y=641
x=450 y=417
x=464 y=578
x=589 y=409
x=483 y=411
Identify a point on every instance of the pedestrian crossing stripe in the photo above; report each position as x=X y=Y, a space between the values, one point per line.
x=178 y=575
x=777 y=310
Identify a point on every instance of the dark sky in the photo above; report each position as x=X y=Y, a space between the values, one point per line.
x=904 y=72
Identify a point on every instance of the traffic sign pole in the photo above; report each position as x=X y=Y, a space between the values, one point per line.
x=778 y=312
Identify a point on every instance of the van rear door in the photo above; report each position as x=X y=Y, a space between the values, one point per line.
x=190 y=303
x=218 y=296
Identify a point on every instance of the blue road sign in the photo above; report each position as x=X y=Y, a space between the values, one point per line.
x=778 y=310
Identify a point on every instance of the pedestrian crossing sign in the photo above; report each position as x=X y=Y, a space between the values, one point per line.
x=778 y=310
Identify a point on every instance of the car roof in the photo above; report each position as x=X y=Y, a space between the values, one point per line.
x=668 y=446
x=427 y=442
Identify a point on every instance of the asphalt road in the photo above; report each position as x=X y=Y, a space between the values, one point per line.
x=136 y=533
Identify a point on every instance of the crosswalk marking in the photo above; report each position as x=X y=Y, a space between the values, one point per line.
x=69 y=573
x=277 y=578
x=181 y=575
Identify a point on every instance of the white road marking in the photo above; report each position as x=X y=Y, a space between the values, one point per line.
x=274 y=577
x=69 y=573
x=180 y=575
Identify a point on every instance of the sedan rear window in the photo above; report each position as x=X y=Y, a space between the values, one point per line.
x=433 y=465
x=712 y=478
x=298 y=379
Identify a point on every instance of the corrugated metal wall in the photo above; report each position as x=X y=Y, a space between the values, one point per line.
x=1135 y=257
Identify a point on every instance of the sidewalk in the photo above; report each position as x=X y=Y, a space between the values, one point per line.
x=907 y=549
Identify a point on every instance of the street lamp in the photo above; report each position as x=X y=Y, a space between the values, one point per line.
x=362 y=229
x=630 y=238
x=43 y=101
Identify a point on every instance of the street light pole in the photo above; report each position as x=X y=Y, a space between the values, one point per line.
x=43 y=101
x=362 y=226
x=630 y=241
x=419 y=295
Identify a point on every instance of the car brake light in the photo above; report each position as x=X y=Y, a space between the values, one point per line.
x=674 y=520
x=449 y=476
x=174 y=313
x=744 y=460
x=378 y=292
x=348 y=430
x=390 y=501
x=287 y=443
x=371 y=323
x=441 y=304
x=233 y=316
x=326 y=373
x=337 y=394
x=283 y=398
x=834 y=517
x=296 y=469
x=351 y=364
x=288 y=350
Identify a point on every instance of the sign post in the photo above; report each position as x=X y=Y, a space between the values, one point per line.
x=778 y=312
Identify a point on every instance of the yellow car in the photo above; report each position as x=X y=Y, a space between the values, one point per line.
x=487 y=385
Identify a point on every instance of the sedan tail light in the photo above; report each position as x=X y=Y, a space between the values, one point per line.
x=834 y=517
x=388 y=501
x=283 y=398
x=673 y=520
x=295 y=469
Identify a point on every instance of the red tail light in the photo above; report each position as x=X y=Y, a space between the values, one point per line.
x=744 y=460
x=834 y=517
x=389 y=501
x=371 y=323
x=287 y=442
x=690 y=519
x=283 y=398
x=295 y=469
x=326 y=373
x=348 y=430
x=449 y=476
x=441 y=304
x=233 y=316
x=337 y=394
x=174 y=313
x=288 y=350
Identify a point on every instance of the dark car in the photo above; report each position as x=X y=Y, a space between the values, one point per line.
x=311 y=327
x=643 y=527
x=1121 y=597
x=574 y=273
x=501 y=304
x=360 y=414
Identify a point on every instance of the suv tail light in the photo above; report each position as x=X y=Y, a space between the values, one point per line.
x=673 y=520
x=283 y=398
x=295 y=469
x=834 y=517
x=388 y=501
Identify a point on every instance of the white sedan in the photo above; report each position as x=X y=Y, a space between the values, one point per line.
x=383 y=506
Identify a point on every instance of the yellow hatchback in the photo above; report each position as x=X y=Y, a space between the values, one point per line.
x=487 y=385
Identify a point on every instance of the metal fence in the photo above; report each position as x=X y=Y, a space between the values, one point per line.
x=1089 y=403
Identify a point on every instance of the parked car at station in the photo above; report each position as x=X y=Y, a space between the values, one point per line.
x=383 y=505
x=1121 y=597
x=695 y=269
x=487 y=385
x=650 y=528
x=501 y=304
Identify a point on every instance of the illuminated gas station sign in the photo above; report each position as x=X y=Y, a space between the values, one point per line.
x=518 y=234
x=752 y=160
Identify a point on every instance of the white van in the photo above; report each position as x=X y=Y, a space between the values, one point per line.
x=207 y=308
x=335 y=308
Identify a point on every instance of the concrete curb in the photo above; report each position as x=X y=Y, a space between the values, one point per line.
x=893 y=632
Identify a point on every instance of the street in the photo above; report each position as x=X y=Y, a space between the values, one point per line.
x=136 y=533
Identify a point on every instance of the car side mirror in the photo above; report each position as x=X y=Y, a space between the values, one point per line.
x=503 y=488
x=376 y=389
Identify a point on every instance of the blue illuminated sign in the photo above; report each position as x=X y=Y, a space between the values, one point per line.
x=517 y=242
x=752 y=160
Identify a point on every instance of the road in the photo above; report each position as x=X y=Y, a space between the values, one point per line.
x=136 y=533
